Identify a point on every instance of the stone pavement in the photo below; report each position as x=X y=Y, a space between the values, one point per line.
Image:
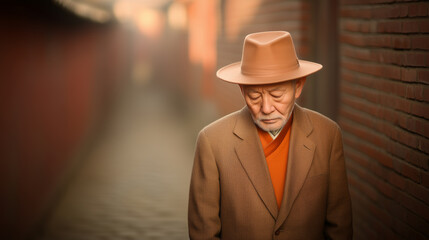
x=134 y=184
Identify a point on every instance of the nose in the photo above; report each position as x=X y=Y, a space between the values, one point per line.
x=267 y=106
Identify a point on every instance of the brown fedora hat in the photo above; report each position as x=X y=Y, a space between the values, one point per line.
x=268 y=57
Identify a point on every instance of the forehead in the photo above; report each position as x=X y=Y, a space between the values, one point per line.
x=268 y=87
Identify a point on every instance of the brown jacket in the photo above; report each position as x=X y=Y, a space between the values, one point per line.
x=231 y=194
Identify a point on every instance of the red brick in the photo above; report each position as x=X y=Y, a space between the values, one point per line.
x=392 y=11
x=384 y=188
x=425 y=178
x=353 y=39
x=417 y=158
x=399 y=42
x=357 y=157
x=401 y=225
x=407 y=170
x=364 y=2
x=384 y=41
x=400 y=135
x=409 y=74
x=418 y=191
x=382 y=214
x=405 y=105
x=423 y=76
x=380 y=41
x=360 y=105
x=372 y=153
x=379 y=70
x=394 y=208
x=396 y=180
x=353 y=12
x=356 y=26
x=415 y=91
x=392 y=87
x=361 y=92
x=418 y=10
x=378 y=219
x=361 y=219
x=407 y=232
x=356 y=53
x=420 y=109
x=379 y=1
x=413 y=204
x=370 y=178
x=424 y=26
x=420 y=42
x=418 y=223
x=424 y=163
x=418 y=125
x=358 y=117
x=395 y=102
x=416 y=59
x=357 y=183
x=389 y=27
x=418 y=92
x=378 y=155
x=364 y=133
x=423 y=145
x=350 y=25
x=387 y=56
x=402 y=152
x=410 y=27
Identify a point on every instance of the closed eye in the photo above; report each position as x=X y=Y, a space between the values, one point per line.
x=276 y=95
x=254 y=96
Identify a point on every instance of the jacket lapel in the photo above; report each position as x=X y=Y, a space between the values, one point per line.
x=251 y=155
x=301 y=151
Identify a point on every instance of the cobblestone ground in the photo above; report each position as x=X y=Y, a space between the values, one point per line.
x=134 y=184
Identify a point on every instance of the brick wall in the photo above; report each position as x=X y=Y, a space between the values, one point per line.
x=384 y=112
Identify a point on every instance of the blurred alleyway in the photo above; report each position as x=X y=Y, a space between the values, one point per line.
x=134 y=184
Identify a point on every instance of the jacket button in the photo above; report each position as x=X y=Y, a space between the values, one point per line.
x=277 y=232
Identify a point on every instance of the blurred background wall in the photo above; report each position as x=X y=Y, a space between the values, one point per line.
x=60 y=72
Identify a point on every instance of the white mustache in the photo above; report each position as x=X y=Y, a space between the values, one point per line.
x=270 y=117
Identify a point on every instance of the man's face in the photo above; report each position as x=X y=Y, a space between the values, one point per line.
x=271 y=105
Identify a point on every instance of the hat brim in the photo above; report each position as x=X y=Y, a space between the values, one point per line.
x=232 y=73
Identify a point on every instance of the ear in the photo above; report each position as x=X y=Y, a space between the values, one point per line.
x=299 y=85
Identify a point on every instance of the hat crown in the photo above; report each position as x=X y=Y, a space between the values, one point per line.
x=268 y=54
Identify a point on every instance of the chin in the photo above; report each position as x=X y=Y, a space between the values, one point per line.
x=269 y=127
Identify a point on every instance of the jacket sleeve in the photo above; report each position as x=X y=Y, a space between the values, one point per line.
x=339 y=213
x=204 y=195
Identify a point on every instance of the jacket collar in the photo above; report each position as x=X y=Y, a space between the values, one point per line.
x=301 y=152
x=250 y=153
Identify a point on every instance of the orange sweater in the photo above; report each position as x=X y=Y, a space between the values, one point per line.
x=276 y=153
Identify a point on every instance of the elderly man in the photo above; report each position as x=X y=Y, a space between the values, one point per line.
x=272 y=170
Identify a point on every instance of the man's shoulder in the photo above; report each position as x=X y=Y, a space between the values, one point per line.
x=223 y=124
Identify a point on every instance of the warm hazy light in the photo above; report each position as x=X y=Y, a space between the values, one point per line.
x=202 y=39
x=142 y=14
x=237 y=16
x=124 y=10
x=149 y=22
x=177 y=17
x=86 y=10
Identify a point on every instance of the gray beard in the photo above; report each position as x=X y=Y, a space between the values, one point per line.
x=275 y=132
